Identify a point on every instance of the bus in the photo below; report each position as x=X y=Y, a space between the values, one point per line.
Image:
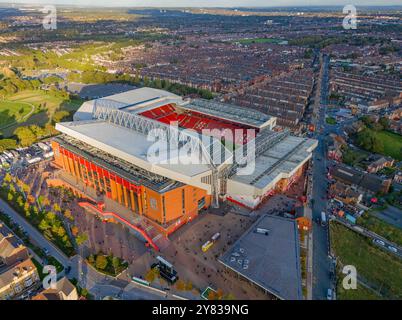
x=323 y=219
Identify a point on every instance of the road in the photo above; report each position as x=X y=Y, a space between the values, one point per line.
x=101 y=286
x=34 y=234
x=98 y=284
x=321 y=261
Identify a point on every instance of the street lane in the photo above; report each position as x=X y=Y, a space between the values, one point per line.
x=34 y=234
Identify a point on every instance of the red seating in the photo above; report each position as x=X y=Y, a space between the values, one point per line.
x=194 y=120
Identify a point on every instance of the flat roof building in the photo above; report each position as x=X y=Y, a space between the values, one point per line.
x=268 y=255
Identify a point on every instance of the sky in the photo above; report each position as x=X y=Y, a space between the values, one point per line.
x=208 y=3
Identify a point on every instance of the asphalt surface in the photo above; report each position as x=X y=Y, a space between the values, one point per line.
x=390 y=215
x=321 y=261
x=34 y=234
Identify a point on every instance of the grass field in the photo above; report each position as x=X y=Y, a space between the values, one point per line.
x=13 y=111
x=361 y=293
x=44 y=103
x=392 y=144
x=380 y=227
x=330 y=120
x=377 y=267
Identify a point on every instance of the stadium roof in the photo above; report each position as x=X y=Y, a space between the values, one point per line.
x=279 y=161
x=120 y=167
x=129 y=100
x=133 y=146
x=270 y=261
x=230 y=112
x=143 y=99
x=114 y=125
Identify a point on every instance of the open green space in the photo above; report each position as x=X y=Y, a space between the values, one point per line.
x=12 y=111
x=44 y=105
x=360 y=293
x=381 y=141
x=379 y=268
x=369 y=221
x=330 y=120
x=392 y=144
x=107 y=264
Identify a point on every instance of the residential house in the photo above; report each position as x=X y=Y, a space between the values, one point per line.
x=63 y=290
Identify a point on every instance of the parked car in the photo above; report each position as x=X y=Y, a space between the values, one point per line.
x=329 y=294
x=380 y=242
x=393 y=249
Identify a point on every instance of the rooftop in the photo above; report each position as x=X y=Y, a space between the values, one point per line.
x=230 y=112
x=282 y=158
x=270 y=261
x=130 y=145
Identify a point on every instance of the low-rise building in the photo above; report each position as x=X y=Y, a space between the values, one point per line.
x=63 y=290
x=366 y=182
x=335 y=147
x=268 y=255
x=345 y=193
x=380 y=163
x=18 y=273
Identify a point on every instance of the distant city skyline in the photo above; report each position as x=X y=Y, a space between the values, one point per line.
x=208 y=3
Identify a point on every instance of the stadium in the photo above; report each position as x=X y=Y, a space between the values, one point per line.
x=104 y=155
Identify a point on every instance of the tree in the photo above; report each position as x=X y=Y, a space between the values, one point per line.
x=91 y=259
x=101 y=262
x=219 y=294
x=229 y=296
x=180 y=285
x=25 y=136
x=31 y=199
x=50 y=217
x=116 y=263
x=189 y=286
x=68 y=215
x=74 y=231
x=61 y=232
x=60 y=115
x=369 y=140
x=8 y=178
x=6 y=144
x=81 y=238
x=212 y=295
x=384 y=122
x=27 y=208
x=56 y=207
x=44 y=225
